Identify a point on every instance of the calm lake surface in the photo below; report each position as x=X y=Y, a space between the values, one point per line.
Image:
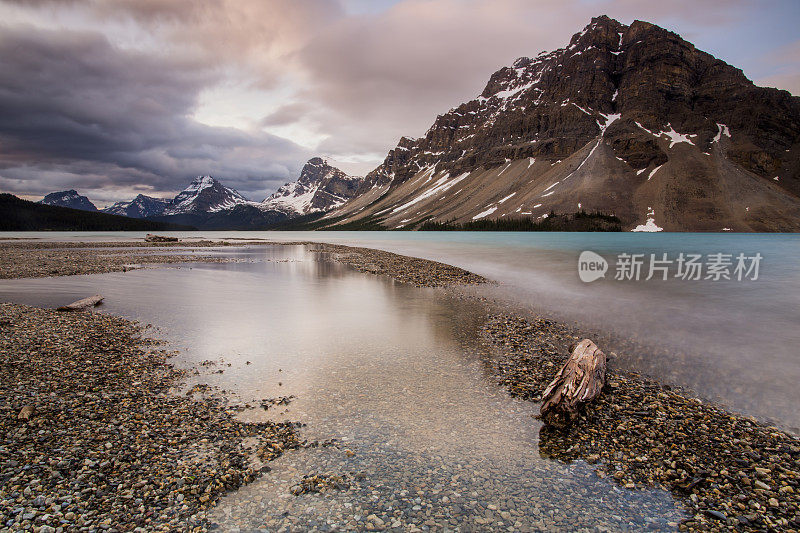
x=389 y=371
x=734 y=342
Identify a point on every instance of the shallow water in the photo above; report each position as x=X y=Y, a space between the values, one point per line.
x=389 y=371
x=733 y=342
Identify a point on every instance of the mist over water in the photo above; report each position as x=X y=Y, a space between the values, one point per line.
x=730 y=341
x=734 y=342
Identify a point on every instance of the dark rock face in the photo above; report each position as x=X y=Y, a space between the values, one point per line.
x=140 y=207
x=320 y=187
x=69 y=198
x=552 y=105
x=637 y=89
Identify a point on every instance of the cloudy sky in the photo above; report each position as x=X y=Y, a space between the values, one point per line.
x=120 y=97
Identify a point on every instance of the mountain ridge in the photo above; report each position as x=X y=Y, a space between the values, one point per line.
x=208 y=204
x=140 y=207
x=640 y=123
x=69 y=198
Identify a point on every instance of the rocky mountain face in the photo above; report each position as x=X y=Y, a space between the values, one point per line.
x=628 y=120
x=320 y=187
x=69 y=198
x=140 y=207
x=204 y=195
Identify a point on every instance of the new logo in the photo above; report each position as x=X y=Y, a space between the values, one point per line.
x=591 y=266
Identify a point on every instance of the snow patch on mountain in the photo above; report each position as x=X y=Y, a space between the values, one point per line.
x=650 y=226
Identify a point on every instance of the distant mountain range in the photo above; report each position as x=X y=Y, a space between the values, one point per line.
x=17 y=214
x=207 y=204
x=203 y=195
x=631 y=122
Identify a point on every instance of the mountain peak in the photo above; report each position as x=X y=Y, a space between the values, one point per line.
x=602 y=32
x=69 y=198
x=140 y=207
x=623 y=120
x=202 y=182
x=204 y=195
x=320 y=187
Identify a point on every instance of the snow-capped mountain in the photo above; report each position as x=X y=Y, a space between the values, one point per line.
x=69 y=198
x=204 y=195
x=320 y=187
x=140 y=207
x=626 y=120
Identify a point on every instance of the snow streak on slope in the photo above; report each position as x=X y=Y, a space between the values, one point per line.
x=440 y=186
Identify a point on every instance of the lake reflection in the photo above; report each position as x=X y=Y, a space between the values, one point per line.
x=386 y=369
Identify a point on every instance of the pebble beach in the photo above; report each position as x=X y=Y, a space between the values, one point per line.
x=110 y=443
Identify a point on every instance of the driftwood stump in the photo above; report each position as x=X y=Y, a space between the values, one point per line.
x=580 y=380
x=26 y=412
x=84 y=303
x=159 y=238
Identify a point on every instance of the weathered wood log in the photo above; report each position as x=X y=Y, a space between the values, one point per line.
x=159 y=238
x=580 y=380
x=84 y=303
x=26 y=412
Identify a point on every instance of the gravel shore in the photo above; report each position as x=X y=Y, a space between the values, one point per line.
x=732 y=472
x=32 y=259
x=110 y=446
x=411 y=270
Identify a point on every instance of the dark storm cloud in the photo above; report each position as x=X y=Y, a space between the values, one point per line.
x=72 y=101
x=345 y=78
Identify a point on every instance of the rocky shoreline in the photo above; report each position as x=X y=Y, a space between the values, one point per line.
x=730 y=472
x=411 y=270
x=109 y=445
x=32 y=259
